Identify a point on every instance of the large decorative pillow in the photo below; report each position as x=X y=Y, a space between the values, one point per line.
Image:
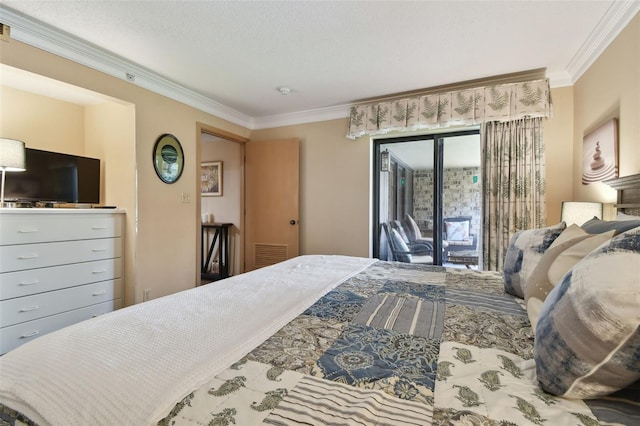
x=597 y=226
x=524 y=251
x=569 y=248
x=457 y=230
x=588 y=336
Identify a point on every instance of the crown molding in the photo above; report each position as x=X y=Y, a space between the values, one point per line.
x=620 y=13
x=302 y=117
x=559 y=79
x=54 y=41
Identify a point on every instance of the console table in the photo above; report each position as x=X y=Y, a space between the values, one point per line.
x=220 y=233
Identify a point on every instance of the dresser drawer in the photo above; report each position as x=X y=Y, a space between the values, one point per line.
x=33 y=281
x=22 y=309
x=38 y=228
x=42 y=255
x=15 y=335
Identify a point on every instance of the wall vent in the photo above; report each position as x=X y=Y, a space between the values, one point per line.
x=269 y=254
x=5 y=32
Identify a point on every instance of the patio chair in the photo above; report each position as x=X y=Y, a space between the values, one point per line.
x=402 y=253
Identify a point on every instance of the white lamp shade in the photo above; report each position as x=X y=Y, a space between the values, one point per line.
x=12 y=155
x=579 y=212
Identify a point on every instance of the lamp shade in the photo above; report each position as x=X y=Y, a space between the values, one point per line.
x=579 y=212
x=12 y=155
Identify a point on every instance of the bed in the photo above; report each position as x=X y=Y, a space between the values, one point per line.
x=313 y=340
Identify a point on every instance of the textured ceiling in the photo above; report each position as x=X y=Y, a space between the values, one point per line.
x=331 y=53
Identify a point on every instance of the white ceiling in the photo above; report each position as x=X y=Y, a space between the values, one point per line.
x=234 y=56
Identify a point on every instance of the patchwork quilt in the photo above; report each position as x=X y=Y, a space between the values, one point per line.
x=398 y=344
x=395 y=344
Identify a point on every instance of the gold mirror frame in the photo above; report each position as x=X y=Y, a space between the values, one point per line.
x=168 y=158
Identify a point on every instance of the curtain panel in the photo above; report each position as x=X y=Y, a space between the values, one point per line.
x=503 y=102
x=513 y=177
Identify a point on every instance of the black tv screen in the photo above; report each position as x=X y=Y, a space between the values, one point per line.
x=55 y=177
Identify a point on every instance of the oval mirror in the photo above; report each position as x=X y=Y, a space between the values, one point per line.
x=168 y=158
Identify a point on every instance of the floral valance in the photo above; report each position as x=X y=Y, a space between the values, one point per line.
x=502 y=102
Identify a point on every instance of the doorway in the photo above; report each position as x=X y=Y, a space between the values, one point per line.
x=225 y=205
x=429 y=187
x=245 y=174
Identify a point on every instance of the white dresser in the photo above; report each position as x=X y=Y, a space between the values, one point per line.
x=57 y=267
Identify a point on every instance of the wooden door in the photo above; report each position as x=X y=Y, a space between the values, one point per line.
x=271 y=202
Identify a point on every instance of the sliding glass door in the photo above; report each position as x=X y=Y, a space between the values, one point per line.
x=461 y=200
x=420 y=181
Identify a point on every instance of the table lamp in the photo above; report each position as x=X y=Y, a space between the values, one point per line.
x=11 y=160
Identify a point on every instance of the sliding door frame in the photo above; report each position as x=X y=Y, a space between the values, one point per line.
x=438 y=179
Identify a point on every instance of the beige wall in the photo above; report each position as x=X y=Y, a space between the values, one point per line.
x=610 y=88
x=558 y=137
x=41 y=122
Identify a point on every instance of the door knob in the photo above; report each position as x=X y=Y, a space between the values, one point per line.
x=292 y=222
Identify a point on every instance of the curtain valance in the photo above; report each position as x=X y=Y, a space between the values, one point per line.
x=502 y=102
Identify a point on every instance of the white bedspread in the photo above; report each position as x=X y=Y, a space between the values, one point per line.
x=129 y=367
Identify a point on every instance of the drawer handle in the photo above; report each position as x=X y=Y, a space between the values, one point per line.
x=30 y=334
x=97 y=250
x=98 y=228
x=32 y=282
x=28 y=256
x=29 y=309
x=100 y=293
x=100 y=271
x=28 y=231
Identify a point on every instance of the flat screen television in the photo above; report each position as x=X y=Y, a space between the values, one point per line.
x=52 y=177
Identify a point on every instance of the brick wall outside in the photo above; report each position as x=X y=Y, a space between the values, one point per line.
x=461 y=196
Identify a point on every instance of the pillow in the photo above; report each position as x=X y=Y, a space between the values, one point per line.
x=569 y=248
x=624 y=216
x=525 y=249
x=587 y=341
x=399 y=244
x=572 y=255
x=457 y=230
x=597 y=226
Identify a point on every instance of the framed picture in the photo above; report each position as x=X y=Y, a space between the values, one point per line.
x=600 y=153
x=211 y=179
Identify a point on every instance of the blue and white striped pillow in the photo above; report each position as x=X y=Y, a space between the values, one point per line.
x=588 y=336
x=524 y=251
